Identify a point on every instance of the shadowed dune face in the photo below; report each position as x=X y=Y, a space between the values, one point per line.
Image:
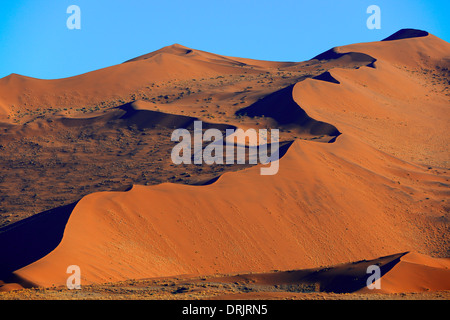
x=348 y=57
x=398 y=275
x=326 y=76
x=373 y=192
x=344 y=278
x=414 y=272
x=139 y=114
x=286 y=112
x=406 y=34
x=349 y=278
x=31 y=239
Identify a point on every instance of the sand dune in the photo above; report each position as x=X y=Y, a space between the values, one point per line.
x=27 y=94
x=281 y=107
x=422 y=276
x=319 y=200
x=199 y=55
x=342 y=278
x=140 y=113
x=406 y=34
x=400 y=273
x=378 y=189
x=389 y=106
x=416 y=273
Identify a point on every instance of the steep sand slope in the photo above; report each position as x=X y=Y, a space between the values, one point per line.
x=318 y=210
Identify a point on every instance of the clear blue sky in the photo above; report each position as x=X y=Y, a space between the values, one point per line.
x=34 y=39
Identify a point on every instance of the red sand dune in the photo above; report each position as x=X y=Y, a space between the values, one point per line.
x=318 y=210
x=389 y=106
x=367 y=194
x=174 y=62
x=400 y=273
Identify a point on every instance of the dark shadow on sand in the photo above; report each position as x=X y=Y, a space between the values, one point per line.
x=30 y=239
x=281 y=107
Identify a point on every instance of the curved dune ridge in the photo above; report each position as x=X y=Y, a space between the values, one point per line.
x=371 y=193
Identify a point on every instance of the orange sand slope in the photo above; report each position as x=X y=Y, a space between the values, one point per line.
x=363 y=196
